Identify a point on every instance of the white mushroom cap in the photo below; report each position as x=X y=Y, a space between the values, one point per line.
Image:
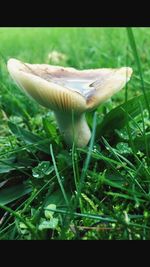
x=67 y=89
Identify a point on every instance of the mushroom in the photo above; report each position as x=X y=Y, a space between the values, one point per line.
x=69 y=92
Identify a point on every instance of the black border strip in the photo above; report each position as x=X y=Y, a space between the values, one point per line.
x=85 y=14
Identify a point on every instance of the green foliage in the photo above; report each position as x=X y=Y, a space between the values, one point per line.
x=29 y=138
x=119 y=116
x=49 y=191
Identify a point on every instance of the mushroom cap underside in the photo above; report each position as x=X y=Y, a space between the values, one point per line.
x=63 y=88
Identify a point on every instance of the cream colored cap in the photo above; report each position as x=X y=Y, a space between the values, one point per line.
x=67 y=89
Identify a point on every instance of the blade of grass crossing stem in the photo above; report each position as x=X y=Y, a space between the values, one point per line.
x=72 y=114
x=74 y=161
x=136 y=56
x=88 y=158
x=58 y=176
x=74 y=157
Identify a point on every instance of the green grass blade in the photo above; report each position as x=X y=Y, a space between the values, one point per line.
x=144 y=132
x=58 y=176
x=18 y=216
x=30 y=138
x=117 y=118
x=137 y=59
x=88 y=158
x=85 y=215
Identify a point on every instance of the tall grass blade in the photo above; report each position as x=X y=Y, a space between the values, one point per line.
x=88 y=158
x=58 y=176
x=137 y=59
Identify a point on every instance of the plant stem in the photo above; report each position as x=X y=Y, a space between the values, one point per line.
x=76 y=131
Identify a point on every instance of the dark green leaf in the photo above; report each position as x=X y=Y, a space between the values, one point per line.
x=5 y=168
x=139 y=142
x=8 y=165
x=8 y=195
x=57 y=198
x=30 y=138
x=117 y=118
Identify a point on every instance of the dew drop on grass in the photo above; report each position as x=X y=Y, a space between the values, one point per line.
x=35 y=174
x=44 y=168
x=96 y=149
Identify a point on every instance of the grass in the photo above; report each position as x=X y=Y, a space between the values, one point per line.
x=48 y=191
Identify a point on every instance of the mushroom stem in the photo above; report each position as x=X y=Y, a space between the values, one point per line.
x=74 y=128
